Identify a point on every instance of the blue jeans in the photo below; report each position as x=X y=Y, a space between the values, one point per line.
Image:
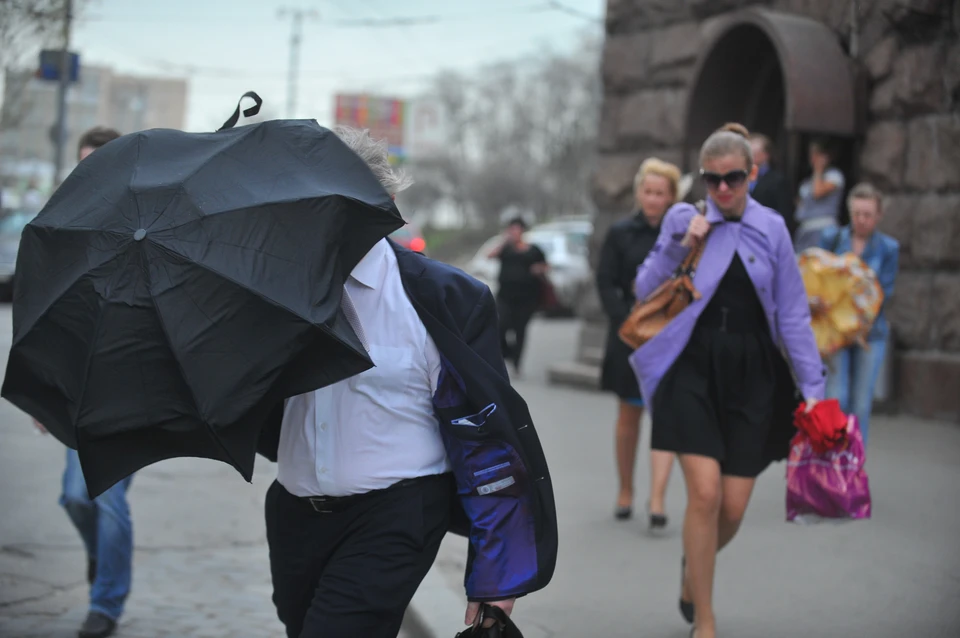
x=852 y=378
x=107 y=532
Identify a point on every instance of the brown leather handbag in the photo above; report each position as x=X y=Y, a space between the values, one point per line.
x=651 y=315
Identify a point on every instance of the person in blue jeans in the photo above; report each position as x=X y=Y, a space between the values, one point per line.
x=853 y=372
x=107 y=531
x=103 y=522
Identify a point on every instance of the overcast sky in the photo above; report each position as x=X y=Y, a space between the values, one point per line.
x=227 y=47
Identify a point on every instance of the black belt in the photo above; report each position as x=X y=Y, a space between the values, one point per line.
x=334 y=504
x=731 y=320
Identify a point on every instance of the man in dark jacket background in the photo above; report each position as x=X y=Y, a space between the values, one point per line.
x=771 y=188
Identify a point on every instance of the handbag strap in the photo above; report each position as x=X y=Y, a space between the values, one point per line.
x=689 y=264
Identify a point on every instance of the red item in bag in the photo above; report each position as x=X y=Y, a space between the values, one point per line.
x=825 y=425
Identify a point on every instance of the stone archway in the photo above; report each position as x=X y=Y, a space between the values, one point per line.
x=782 y=75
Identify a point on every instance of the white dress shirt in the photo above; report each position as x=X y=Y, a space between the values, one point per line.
x=376 y=428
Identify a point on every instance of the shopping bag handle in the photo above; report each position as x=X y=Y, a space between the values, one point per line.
x=249 y=112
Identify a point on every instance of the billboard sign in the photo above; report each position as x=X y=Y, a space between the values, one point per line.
x=384 y=116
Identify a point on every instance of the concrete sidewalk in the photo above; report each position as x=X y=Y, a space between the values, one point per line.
x=893 y=576
x=201 y=559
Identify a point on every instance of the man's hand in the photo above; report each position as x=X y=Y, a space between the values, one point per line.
x=811 y=404
x=40 y=427
x=473 y=610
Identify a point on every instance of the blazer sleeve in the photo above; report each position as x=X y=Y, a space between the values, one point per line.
x=667 y=253
x=608 y=271
x=793 y=319
x=482 y=332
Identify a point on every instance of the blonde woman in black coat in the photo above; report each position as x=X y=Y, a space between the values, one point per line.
x=626 y=246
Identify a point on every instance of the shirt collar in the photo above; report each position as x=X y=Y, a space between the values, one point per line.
x=368 y=272
x=751 y=215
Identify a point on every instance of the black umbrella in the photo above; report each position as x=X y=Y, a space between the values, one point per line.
x=179 y=285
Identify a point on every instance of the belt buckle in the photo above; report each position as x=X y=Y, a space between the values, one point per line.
x=316 y=502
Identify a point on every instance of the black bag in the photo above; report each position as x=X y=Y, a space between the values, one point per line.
x=502 y=627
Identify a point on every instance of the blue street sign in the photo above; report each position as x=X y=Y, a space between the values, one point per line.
x=50 y=65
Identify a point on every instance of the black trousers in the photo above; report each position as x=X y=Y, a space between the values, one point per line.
x=352 y=573
x=515 y=315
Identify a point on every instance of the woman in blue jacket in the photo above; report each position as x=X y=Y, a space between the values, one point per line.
x=853 y=372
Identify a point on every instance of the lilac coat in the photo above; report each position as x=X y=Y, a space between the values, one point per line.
x=764 y=246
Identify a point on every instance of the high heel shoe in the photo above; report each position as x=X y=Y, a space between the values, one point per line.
x=686 y=607
x=658 y=522
x=623 y=513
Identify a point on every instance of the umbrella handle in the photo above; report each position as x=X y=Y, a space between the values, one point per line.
x=250 y=112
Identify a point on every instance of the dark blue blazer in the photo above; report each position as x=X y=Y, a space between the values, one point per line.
x=505 y=503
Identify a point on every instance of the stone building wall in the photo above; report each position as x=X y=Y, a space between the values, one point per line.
x=909 y=54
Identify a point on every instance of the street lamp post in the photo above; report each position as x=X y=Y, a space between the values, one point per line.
x=296 y=36
x=61 y=125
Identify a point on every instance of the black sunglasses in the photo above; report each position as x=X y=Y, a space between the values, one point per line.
x=733 y=179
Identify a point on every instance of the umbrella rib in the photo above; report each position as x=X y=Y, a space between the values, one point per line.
x=223 y=243
x=183 y=375
x=193 y=173
x=240 y=285
x=86 y=371
x=66 y=289
x=292 y=200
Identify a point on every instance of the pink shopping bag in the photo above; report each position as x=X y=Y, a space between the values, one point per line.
x=829 y=486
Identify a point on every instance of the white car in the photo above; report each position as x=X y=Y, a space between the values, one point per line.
x=564 y=242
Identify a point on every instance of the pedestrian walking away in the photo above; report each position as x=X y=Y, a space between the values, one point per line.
x=522 y=269
x=375 y=469
x=721 y=393
x=626 y=245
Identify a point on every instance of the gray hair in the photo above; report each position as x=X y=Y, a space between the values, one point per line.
x=866 y=190
x=729 y=139
x=376 y=155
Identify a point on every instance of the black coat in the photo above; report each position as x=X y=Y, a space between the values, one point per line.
x=626 y=246
x=773 y=191
x=505 y=498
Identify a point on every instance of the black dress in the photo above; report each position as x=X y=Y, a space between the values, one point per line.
x=724 y=397
x=626 y=246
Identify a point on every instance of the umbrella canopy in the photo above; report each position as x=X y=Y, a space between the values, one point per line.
x=844 y=295
x=179 y=285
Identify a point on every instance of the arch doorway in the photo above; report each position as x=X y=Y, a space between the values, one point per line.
x=781 y=75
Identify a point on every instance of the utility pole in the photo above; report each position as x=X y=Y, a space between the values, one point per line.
x=61 y=126
x=296 y=36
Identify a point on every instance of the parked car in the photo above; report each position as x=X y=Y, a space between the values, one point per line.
x=564 y=242
x=12 y=223
x=410 y=237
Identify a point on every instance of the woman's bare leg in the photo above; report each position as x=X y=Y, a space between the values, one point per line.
x=736 y=493
x=628 y=437
x=700 y=535
x=661 y=463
